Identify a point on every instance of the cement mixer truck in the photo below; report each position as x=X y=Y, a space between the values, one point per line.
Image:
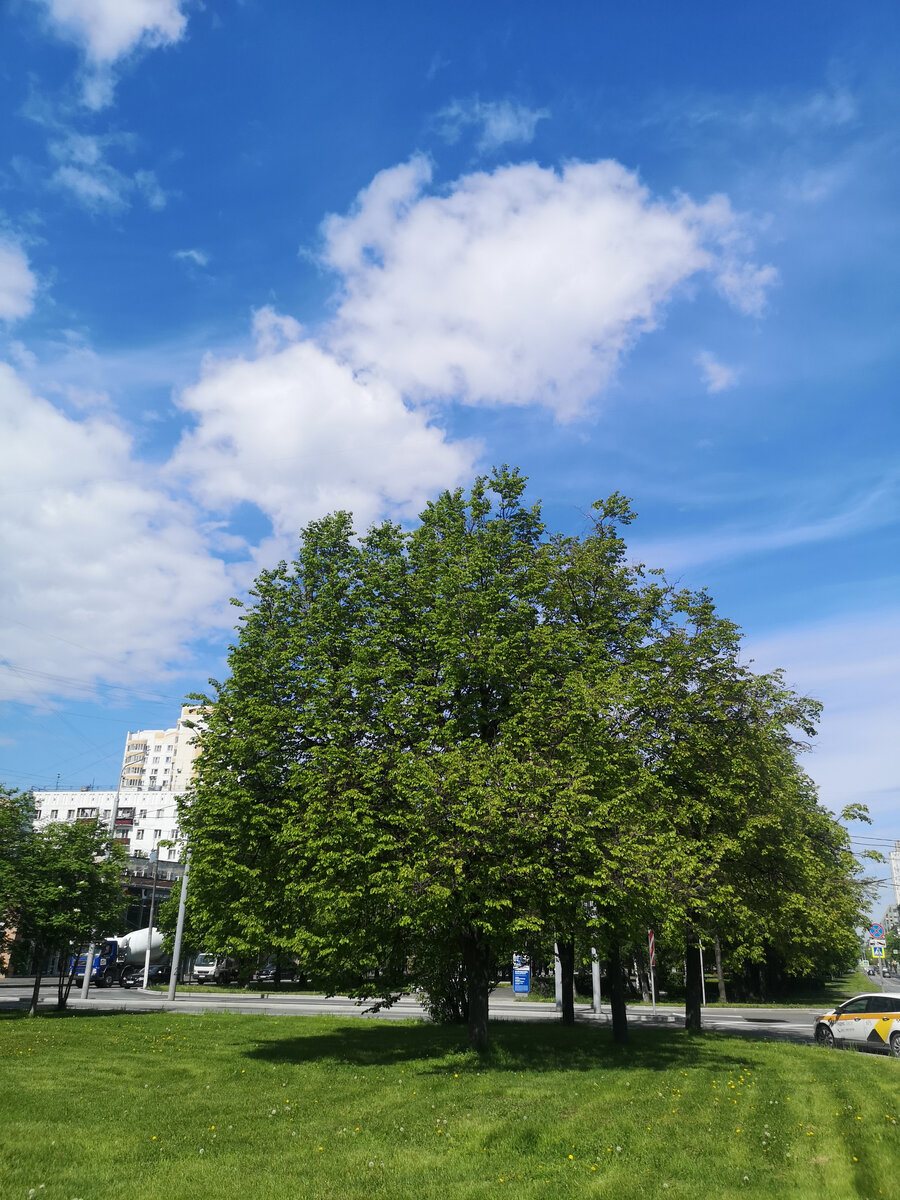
x=120 y=959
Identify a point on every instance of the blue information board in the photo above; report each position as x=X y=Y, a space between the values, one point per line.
x=522 y=979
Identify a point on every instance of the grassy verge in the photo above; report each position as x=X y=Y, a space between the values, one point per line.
x=168 y=1105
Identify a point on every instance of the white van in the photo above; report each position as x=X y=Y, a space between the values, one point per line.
x=212 y=968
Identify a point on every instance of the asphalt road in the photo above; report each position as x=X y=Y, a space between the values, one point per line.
x=789 y=1024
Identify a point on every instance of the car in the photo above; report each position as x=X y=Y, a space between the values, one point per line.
x=870 y=1021
x=266 y=974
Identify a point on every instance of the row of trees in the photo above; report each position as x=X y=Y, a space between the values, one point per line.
x=439 y=746
x=60 y=887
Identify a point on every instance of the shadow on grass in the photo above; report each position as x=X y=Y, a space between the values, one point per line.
x=514 y=1047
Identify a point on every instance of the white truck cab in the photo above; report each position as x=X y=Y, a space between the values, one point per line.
x=214 y=968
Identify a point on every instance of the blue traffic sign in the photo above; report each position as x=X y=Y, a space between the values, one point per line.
x=522 y=980
x=876 y=931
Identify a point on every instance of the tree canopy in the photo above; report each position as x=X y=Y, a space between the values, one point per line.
x=436 y=744
x=60 y=885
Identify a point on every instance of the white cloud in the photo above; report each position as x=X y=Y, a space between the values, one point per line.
x=500 y=121
x=110 y=29
x=17 y=282
x=87 y=175
x=106 y=576
x=522 y=284
x=299 y=434
x=199 y=257
x=716 y=376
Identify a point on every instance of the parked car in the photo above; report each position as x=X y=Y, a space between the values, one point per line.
x=871 y=1021
x=266 y=974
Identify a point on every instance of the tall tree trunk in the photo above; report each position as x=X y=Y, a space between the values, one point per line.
x=477 y=961
x=720 y=975
x=617 y=994
x=693 y=986
x=566 y=950
x=38 y=974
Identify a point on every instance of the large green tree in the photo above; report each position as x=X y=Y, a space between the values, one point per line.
x=437 y=745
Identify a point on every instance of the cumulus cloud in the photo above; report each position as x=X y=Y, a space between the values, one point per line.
x=17 y=282
x=524 y=284
x=106 y=575
x=110 y=29
x=500 y=122
x=716 y=376
x=298 y=433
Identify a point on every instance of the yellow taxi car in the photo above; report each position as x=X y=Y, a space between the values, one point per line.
x=871 y=1022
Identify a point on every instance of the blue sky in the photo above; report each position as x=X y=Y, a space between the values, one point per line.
x=263 y=259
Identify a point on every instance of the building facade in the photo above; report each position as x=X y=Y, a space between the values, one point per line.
x=160 y=759
x=139 y=821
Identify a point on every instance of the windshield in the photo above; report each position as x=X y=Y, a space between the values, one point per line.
x=206 y=960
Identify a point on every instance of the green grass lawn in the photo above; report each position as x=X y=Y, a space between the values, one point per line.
x=183 y=1106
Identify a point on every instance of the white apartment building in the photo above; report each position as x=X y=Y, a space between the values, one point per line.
x=143 y=812
x=139 y=820
x=160 y=759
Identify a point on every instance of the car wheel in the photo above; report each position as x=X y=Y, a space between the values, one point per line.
x=825 y=1037
x=895 y=1045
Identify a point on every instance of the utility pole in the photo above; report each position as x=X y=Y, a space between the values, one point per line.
x=154 y=858
x=179 y=928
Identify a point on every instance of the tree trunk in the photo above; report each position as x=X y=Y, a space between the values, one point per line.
x=720 y=976
x=617 y=994
x=693 y=986
x=477 y=961
x=566 y=950
x=39 y=962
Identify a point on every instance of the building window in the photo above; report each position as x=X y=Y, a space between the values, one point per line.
x=157 y=834
x=54 y=813
x=173 y=854
x=156 y=749
x=142 y=814
x=70 y=814
x=138 y=837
